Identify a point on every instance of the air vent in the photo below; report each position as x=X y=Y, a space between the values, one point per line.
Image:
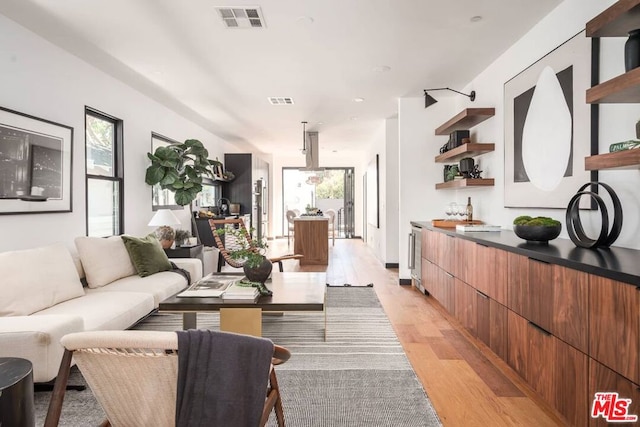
x=281 y=100
x=247 y=17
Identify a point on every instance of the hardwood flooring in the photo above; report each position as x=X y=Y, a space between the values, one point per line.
x=467 y=384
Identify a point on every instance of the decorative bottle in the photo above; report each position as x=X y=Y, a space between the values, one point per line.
x=469 y=209
x=632 y=50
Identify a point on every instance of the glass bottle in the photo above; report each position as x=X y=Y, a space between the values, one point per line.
x=469 y=209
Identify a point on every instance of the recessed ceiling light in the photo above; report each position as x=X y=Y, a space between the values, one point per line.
x=358 y=99
x=476 y=18
x=320 y=123
x=381 y=68
x=354 y=118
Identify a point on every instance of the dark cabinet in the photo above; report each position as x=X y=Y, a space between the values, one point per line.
x=249 y=188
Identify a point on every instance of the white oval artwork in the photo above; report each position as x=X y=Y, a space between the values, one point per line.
x=546 y=136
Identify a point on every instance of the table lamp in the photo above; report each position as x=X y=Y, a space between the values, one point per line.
x=164 y=219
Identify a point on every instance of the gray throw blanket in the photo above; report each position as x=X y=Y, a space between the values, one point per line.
x=222 y=378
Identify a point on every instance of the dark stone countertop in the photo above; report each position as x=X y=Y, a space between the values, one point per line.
x=622 y=264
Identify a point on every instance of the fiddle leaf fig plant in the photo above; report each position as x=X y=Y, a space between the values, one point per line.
x=180 y=168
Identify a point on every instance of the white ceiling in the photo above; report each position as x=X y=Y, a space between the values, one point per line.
x=322 y=53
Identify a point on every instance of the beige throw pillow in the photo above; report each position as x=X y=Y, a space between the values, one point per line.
x=35 y=279
x=104 y=260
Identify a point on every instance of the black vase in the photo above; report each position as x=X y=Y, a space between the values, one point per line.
x=632 y=51
x=260 y=273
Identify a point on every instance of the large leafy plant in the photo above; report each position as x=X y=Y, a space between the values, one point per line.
x=180 y=168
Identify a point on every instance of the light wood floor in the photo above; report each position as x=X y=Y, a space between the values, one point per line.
x=466 y=383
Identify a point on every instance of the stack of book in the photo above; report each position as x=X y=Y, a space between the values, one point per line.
x=240 y=292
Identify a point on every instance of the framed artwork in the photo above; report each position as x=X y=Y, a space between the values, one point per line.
x=373 y=192
x=162 y=199
x=35 y=164
x=548 y=128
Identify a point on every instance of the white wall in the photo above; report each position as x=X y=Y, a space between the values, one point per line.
x=391 y=190
x=376 y=236
x=418 y=145
x=42 y=80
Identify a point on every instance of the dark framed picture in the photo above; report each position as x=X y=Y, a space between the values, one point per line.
x=35 y=164
x=547 y=128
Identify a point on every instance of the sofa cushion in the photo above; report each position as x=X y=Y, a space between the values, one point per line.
x=147 y=254
x=161 y=285
x=105 y=310
x=34 y=279
x=37 y=338
x=104 y=259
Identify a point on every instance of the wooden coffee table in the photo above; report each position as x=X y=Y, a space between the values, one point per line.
x=292 y=291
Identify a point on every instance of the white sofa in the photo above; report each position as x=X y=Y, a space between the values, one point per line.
x=42 y=297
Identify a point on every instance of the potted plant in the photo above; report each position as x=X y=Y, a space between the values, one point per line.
x=180 y=168
x=256 y=266
x=539 y=229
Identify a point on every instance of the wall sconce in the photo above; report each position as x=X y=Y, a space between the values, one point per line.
x=430 y=100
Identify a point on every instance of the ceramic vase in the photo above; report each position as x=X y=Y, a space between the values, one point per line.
x=632 y=51
x=260 y=273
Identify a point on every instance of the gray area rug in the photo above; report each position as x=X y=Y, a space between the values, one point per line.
x=359 y=376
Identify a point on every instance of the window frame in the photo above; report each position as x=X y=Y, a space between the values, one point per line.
x=154 y=188
x=118 y=165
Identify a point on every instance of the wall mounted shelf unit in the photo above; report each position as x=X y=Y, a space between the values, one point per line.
x=465 y=182
x=627 y=159
x=615 y=21
x=466 y=119
x=470 y=149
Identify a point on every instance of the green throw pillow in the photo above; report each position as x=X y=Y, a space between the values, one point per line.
x=146 y=254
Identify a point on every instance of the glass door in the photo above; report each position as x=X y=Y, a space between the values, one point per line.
x=331 y=188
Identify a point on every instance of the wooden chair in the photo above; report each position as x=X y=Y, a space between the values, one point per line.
x=133 y=375
x=291 y=215
x=332 y=224
x=230 y=244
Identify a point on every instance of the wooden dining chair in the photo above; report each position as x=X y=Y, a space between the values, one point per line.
x=332 y=224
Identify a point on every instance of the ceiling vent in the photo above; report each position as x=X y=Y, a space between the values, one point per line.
x=281 y=100
x=241 y=17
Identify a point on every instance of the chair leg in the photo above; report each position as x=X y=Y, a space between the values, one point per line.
x=55 y=405
x=280 y=266
x=278 y=407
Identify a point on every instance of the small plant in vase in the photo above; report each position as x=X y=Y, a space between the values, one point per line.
x=250 y=253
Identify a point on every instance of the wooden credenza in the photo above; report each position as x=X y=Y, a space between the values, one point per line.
x=311 y=239
x=566 y=319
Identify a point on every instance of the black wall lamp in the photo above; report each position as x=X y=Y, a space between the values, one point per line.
x=430 y=100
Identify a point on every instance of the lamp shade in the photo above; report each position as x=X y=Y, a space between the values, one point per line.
x=164 y=217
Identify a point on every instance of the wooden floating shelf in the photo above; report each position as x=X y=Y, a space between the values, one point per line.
x=622 y=89
x=627 y=159
x=468 y=182
x=465 y=150
x=466 y=119
x=615 y=21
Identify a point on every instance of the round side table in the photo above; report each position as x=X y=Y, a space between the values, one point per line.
x=16 y=393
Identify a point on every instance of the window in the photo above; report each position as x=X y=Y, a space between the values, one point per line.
x=162 y=199
x=104 y=172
